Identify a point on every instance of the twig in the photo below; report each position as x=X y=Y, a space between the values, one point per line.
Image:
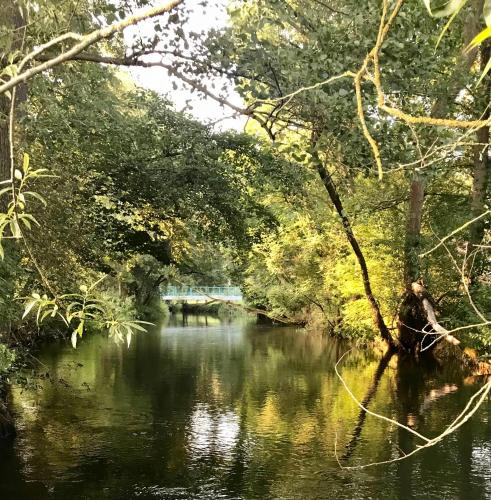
x=454 y=232
x=86 y=41
x=469 y=410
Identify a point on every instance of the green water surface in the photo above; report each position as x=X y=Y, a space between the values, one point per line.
x=208 y=409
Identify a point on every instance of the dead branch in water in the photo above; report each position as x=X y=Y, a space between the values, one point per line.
x=469 y=410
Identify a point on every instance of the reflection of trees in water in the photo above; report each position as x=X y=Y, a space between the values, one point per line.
x=419 y=384
x=251 y=409
x=362 y=415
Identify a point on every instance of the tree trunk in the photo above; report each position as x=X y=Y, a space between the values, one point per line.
x=4 y=147
x=378 y=319
x=480 y=172
x=413 y=230
x=413 y=316
x=10 y=19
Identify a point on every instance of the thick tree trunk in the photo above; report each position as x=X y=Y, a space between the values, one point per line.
x=413 y=316
x=378 y=319
x=4 y=145
x=479 y=185
x=480 y=172
x=413 y=230
x=447 y=95
x=417 y=318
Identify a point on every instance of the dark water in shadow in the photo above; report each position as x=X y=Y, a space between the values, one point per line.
x=214 y=410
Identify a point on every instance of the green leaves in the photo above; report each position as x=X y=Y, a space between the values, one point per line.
x=443 y=8
x=79 y=310
x=16 y=207
x=119 y=330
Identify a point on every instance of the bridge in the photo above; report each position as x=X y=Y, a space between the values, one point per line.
x=201 y=294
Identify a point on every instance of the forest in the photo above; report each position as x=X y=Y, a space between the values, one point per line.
x=350 y=197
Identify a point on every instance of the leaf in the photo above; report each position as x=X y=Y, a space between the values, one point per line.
x=128 y=339
x=479 y=38
x=46 y=314
x=26 y=222
x=486 y=11
x=485 y=71
x=80 y=327
x=18 y=174
x=30 y=217
x=14 y=227
x=28 y=308
x=25 y=162
x=74 y=339
x=38 y=314
x=135 y=326
x=442 y=8
x=35 y=195
x=449 y=22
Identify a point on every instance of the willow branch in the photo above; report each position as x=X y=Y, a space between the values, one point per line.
x=86 y=41
x=454 y=232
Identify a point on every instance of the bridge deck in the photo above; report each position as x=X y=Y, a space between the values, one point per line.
x=202 y=294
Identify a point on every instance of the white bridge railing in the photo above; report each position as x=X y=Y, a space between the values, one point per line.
x=201 y=293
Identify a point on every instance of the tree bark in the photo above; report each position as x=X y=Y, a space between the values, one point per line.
x=378 y=319
x=481 y=168
x=447 y=95
x=413 y=315
x=413 y=230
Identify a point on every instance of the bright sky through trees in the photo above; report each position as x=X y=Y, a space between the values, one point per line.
x=202 y=18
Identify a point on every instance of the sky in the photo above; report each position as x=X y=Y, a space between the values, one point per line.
x=206 y=110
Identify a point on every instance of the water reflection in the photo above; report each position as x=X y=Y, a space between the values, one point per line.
x=220 y=409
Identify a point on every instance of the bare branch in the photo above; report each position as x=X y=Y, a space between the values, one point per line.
x=469 y=410
x=86 y=41
x=454 y=232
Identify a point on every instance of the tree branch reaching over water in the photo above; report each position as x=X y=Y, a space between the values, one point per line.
x=85 y=42
x=469 y=410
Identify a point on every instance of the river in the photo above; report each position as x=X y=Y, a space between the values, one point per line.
x=200 y=408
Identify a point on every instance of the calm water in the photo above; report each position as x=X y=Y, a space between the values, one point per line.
x=232 y=410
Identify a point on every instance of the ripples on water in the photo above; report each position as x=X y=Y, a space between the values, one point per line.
x=208 y=409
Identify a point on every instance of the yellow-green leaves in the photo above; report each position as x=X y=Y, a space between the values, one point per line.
x=78 y=332
x=16 y=214
x=443 y=8
x=450 y=21
x=78 y=310
x=482 y=37
x=486 y=11
x=25 y=162
x=478 y=39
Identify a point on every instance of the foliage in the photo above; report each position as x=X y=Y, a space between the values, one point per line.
x=7 y=359
x=453 y=8
x=78 y=310
x=19 y=197
x=146 y=195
